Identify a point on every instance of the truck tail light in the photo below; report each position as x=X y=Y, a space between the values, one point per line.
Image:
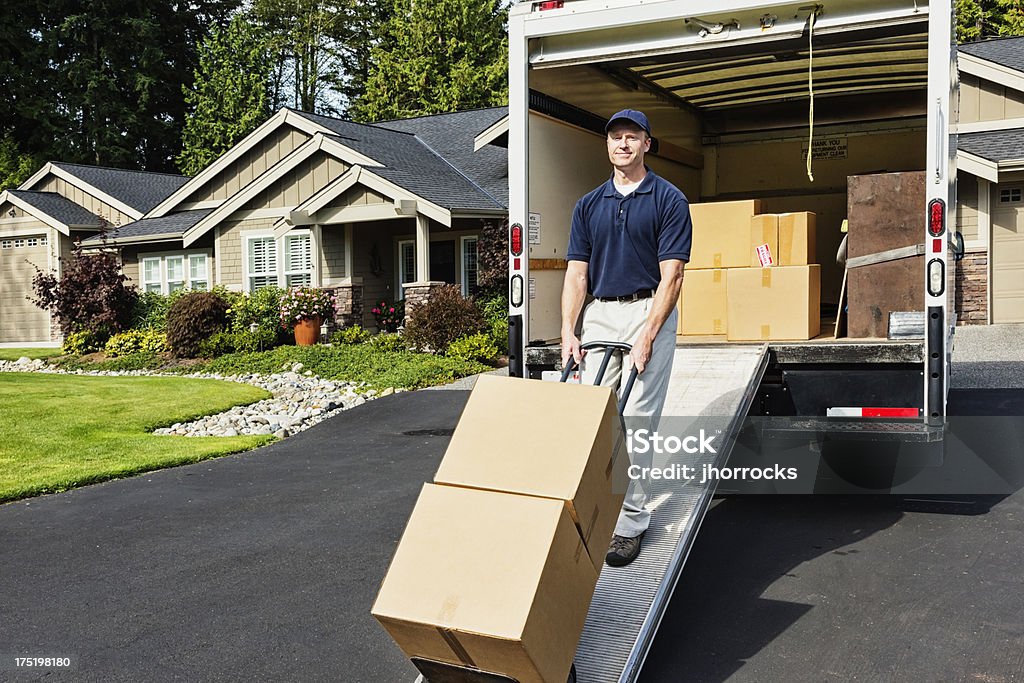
x=515 y=239
x=549 y=4
x=936 y=277
x=936 y=217
x=515 y=293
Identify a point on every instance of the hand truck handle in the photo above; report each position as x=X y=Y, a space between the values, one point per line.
x=608 y=346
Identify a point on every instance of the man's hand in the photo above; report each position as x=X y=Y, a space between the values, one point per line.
x=641 y=353
x=571 y=347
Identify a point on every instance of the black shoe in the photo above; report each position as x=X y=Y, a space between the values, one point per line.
x=623 y=550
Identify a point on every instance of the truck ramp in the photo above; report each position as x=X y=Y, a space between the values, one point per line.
x=713 y=385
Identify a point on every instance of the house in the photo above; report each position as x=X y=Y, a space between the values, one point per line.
x=40 y=221
x=383 y=211
x=990 y=184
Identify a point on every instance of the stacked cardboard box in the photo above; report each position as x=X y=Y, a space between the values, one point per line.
x=747 y=273
x=497 y=566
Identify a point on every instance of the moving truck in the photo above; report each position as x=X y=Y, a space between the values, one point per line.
x=739 y=95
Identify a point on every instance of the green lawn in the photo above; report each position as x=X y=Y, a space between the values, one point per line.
x=15 y=354
x=62 y=431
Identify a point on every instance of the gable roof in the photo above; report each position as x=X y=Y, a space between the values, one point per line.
x=166 y=227
x=140 y=190
x=54 y=206
x=452 y=136
x=1008 y=52
x=994 y=145
x=410 y=162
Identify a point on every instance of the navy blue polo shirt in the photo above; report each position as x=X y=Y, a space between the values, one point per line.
x=624 y=238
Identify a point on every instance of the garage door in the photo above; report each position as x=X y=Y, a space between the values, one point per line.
x=20 y=319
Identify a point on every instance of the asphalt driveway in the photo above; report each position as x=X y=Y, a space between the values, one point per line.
x=263 y=566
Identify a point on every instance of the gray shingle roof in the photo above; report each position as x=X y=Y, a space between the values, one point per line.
x=171 y=224
x=1006 y=51
x=140 y=190
x=451 y=136
x=56 y=206
x=994 y=145
x=411 y=163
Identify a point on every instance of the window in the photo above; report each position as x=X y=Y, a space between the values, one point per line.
x=151 y=280
x=298 y=258
x=166 y=273
x=19 y=244
x=292 y=267
x=262 y=257
x=197 y=273
x=1009 y=195
x=7 y=244
x=406 y=264
x=469 y=266
x=23 y=242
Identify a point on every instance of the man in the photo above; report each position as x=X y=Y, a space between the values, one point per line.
x=629 y=241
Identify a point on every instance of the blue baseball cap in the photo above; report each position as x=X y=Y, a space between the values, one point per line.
x=632 y=115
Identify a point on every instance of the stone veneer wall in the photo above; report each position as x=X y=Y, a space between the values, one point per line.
x=418 y=293
x=972 y=289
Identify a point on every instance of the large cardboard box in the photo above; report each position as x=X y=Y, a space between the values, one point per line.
x=764 y=229
x=561 y=441
x=797 y=239
x=777 y=303
x=721 y=233
x=496 y=581
x=702 y=302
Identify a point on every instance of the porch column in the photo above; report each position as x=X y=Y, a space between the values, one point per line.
x=422 y=248
x=985 y=235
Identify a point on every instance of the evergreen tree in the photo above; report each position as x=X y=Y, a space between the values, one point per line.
x=436 y=57
x=980 y=19
x=230 y=95
x=15 y=167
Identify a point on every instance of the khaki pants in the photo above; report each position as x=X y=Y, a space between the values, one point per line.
x=622 y=321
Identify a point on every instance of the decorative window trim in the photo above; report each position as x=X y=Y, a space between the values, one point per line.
x=400 y=272
x=187 y=257
x=463 y=270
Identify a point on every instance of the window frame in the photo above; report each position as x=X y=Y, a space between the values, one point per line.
x=463 y=271
x=163 y=271
x=281 y=272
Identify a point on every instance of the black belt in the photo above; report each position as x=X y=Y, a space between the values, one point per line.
x=635 y=296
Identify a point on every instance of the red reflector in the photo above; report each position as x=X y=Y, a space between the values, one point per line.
x=517 y=263
x=515 y=239
x=937 y=245
x=890 y=412
x=550 y=4
x=936 y=217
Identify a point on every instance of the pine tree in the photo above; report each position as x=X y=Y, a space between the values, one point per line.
x=438 y=56
x=229 y=97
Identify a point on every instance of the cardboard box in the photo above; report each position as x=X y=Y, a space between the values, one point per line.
x=721 y=234
x=797 y=239
x=497 y=581
x=561 y=441
x=702 y=302
x=777 y=303
x=764 y=229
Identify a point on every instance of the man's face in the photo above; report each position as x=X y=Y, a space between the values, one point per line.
x=627 y=144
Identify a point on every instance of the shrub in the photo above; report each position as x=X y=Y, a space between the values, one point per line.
x=81 y=342
x=388 y=315
x=350 y=335
x=217 y=344
x=387 y=342
x=193 y=318
x=445 y=317
x=135 y=341
x=492 y=258
x=495 y=310
x=264 y=338
x=91 y=293
x=301 y=303
x=150 y=311
x=478 y=347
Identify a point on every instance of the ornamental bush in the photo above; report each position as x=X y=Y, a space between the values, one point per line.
x=91 y=294
x=445 y=317
x=387 y=342
x=80 y=343
x=389 y=315
x=478 y=347
x=350 y=335
x=194 y=317
x=135 y=341
x=495 y=310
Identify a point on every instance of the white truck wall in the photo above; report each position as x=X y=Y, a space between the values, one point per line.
x=574 y=162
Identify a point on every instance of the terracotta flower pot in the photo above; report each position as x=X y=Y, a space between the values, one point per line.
x=307 y=331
